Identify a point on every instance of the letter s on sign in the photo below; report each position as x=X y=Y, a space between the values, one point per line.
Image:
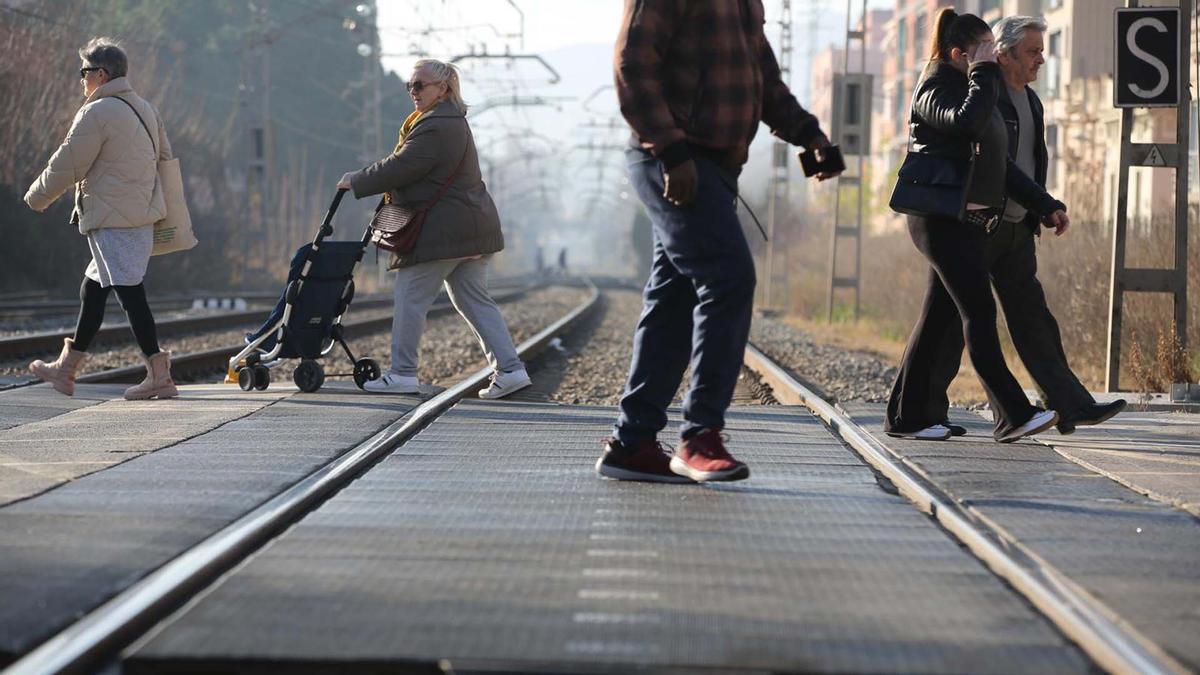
x=1131 y=42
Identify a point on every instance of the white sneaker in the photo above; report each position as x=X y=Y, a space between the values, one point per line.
x=504 y=384
x=937 y=432
x=1037 y=424
x=391 y=383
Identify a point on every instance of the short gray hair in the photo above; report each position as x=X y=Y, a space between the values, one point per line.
x=1010 y=30
x=106 y=53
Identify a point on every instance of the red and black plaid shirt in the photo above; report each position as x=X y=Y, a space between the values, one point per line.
x=701 y=72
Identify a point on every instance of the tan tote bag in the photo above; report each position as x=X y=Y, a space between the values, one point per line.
x=173 y=233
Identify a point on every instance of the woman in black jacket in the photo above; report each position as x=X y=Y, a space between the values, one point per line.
x=954 y=115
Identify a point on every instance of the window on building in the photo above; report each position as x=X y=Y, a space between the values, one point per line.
x=986 y=6
x=902 y=39
x=1054 y=50
x=1051 y=4
x=1052 y=155
x=918 y=36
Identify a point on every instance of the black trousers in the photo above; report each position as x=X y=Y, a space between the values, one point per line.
x=94 y=299
x=958 y=301
x=1012 y=263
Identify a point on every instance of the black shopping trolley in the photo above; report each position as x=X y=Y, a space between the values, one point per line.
x=311 y=324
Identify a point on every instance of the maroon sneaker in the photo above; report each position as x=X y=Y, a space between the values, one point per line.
x=648 y=461
x=703 y=457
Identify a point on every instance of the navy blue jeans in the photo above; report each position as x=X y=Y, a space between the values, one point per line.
x=698 y=303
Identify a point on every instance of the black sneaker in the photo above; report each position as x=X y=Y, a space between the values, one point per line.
x=1090 y=414
x=648 y=461
x=955 y=429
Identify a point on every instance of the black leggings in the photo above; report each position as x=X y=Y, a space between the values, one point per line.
x=133 y=301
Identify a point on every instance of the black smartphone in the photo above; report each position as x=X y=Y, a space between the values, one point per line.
x=822 y=160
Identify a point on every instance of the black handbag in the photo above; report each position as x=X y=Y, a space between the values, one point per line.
x=396 y=227
x=933 y=186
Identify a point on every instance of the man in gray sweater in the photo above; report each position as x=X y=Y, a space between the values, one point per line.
x=1012 y=254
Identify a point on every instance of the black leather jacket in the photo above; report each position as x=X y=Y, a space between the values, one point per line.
x=950 y=111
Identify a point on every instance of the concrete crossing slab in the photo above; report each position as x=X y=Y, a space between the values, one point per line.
x=488 y=539
x=40 y=402
x=1155 y=453
x=1134 y=553
x=69 y=549
x=93 y=434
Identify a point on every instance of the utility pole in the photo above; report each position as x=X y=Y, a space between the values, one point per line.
x=852 y=129
x=371 y=147
x=258 y=118
x=778 y=191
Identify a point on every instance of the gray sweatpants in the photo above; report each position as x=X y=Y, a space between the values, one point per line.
x=466 y=283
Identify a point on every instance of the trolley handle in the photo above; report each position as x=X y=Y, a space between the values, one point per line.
x=327 y=224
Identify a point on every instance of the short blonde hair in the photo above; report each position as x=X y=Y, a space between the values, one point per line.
x=448 y=73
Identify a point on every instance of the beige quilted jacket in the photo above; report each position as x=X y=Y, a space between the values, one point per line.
x=109 y=158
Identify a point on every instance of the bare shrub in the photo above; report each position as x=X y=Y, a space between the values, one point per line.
x=1172 y=361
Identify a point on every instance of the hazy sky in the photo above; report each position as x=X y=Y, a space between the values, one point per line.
x=549 y=24
x=570 y=136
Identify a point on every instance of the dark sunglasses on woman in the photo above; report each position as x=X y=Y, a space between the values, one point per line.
x=416 y=86
x=84 y=71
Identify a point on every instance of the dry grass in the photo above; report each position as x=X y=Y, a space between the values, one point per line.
x=1074 y=271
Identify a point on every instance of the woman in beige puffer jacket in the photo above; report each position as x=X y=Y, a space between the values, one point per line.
x=111 y=158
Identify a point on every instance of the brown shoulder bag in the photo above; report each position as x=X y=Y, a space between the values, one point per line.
x=396 y=228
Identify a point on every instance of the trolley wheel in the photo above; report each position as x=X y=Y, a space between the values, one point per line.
x=262 y=377
x=366 y=370
x=245 y=378
x=309 y=376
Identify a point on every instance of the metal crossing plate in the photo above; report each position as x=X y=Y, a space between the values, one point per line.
x=67 y=550
x=1134 y=554
x=489 y=540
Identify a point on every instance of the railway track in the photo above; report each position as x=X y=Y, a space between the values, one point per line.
x=101 y=633
x=38 y=305
x=195 y=364
x=1097 y=630
x=1112 y=644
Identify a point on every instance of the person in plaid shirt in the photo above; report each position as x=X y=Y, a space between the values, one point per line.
x=694 y=79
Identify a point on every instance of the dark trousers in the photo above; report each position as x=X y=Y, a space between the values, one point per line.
x=94 y=300
x=698 y=303
x=1012 y=263
x=958 y=299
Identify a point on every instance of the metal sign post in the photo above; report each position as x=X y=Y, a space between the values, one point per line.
x=1153 y=46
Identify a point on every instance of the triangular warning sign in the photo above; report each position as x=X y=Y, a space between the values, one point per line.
x=1154 y=158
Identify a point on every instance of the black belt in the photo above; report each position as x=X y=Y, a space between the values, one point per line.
x=986 y=219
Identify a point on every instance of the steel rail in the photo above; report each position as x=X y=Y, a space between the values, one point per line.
x=101 y=633
x=1108 y=640
x=19 y=345
x=186 y=365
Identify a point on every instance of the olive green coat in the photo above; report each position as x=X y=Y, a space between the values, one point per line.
x=464 y=222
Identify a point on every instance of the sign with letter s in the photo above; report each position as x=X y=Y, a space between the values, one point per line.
x=1148 y=58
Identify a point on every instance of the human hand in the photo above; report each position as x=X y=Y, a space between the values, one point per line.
x=985 y=51
x=1059 y=221
x=679 y=183
x=817 y=146
x=344 y=183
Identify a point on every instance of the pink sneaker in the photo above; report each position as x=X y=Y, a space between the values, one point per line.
x=703 y=457
x=646 y=462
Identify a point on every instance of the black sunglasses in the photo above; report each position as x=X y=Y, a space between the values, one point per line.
x=416 y=86
x=84 y=71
